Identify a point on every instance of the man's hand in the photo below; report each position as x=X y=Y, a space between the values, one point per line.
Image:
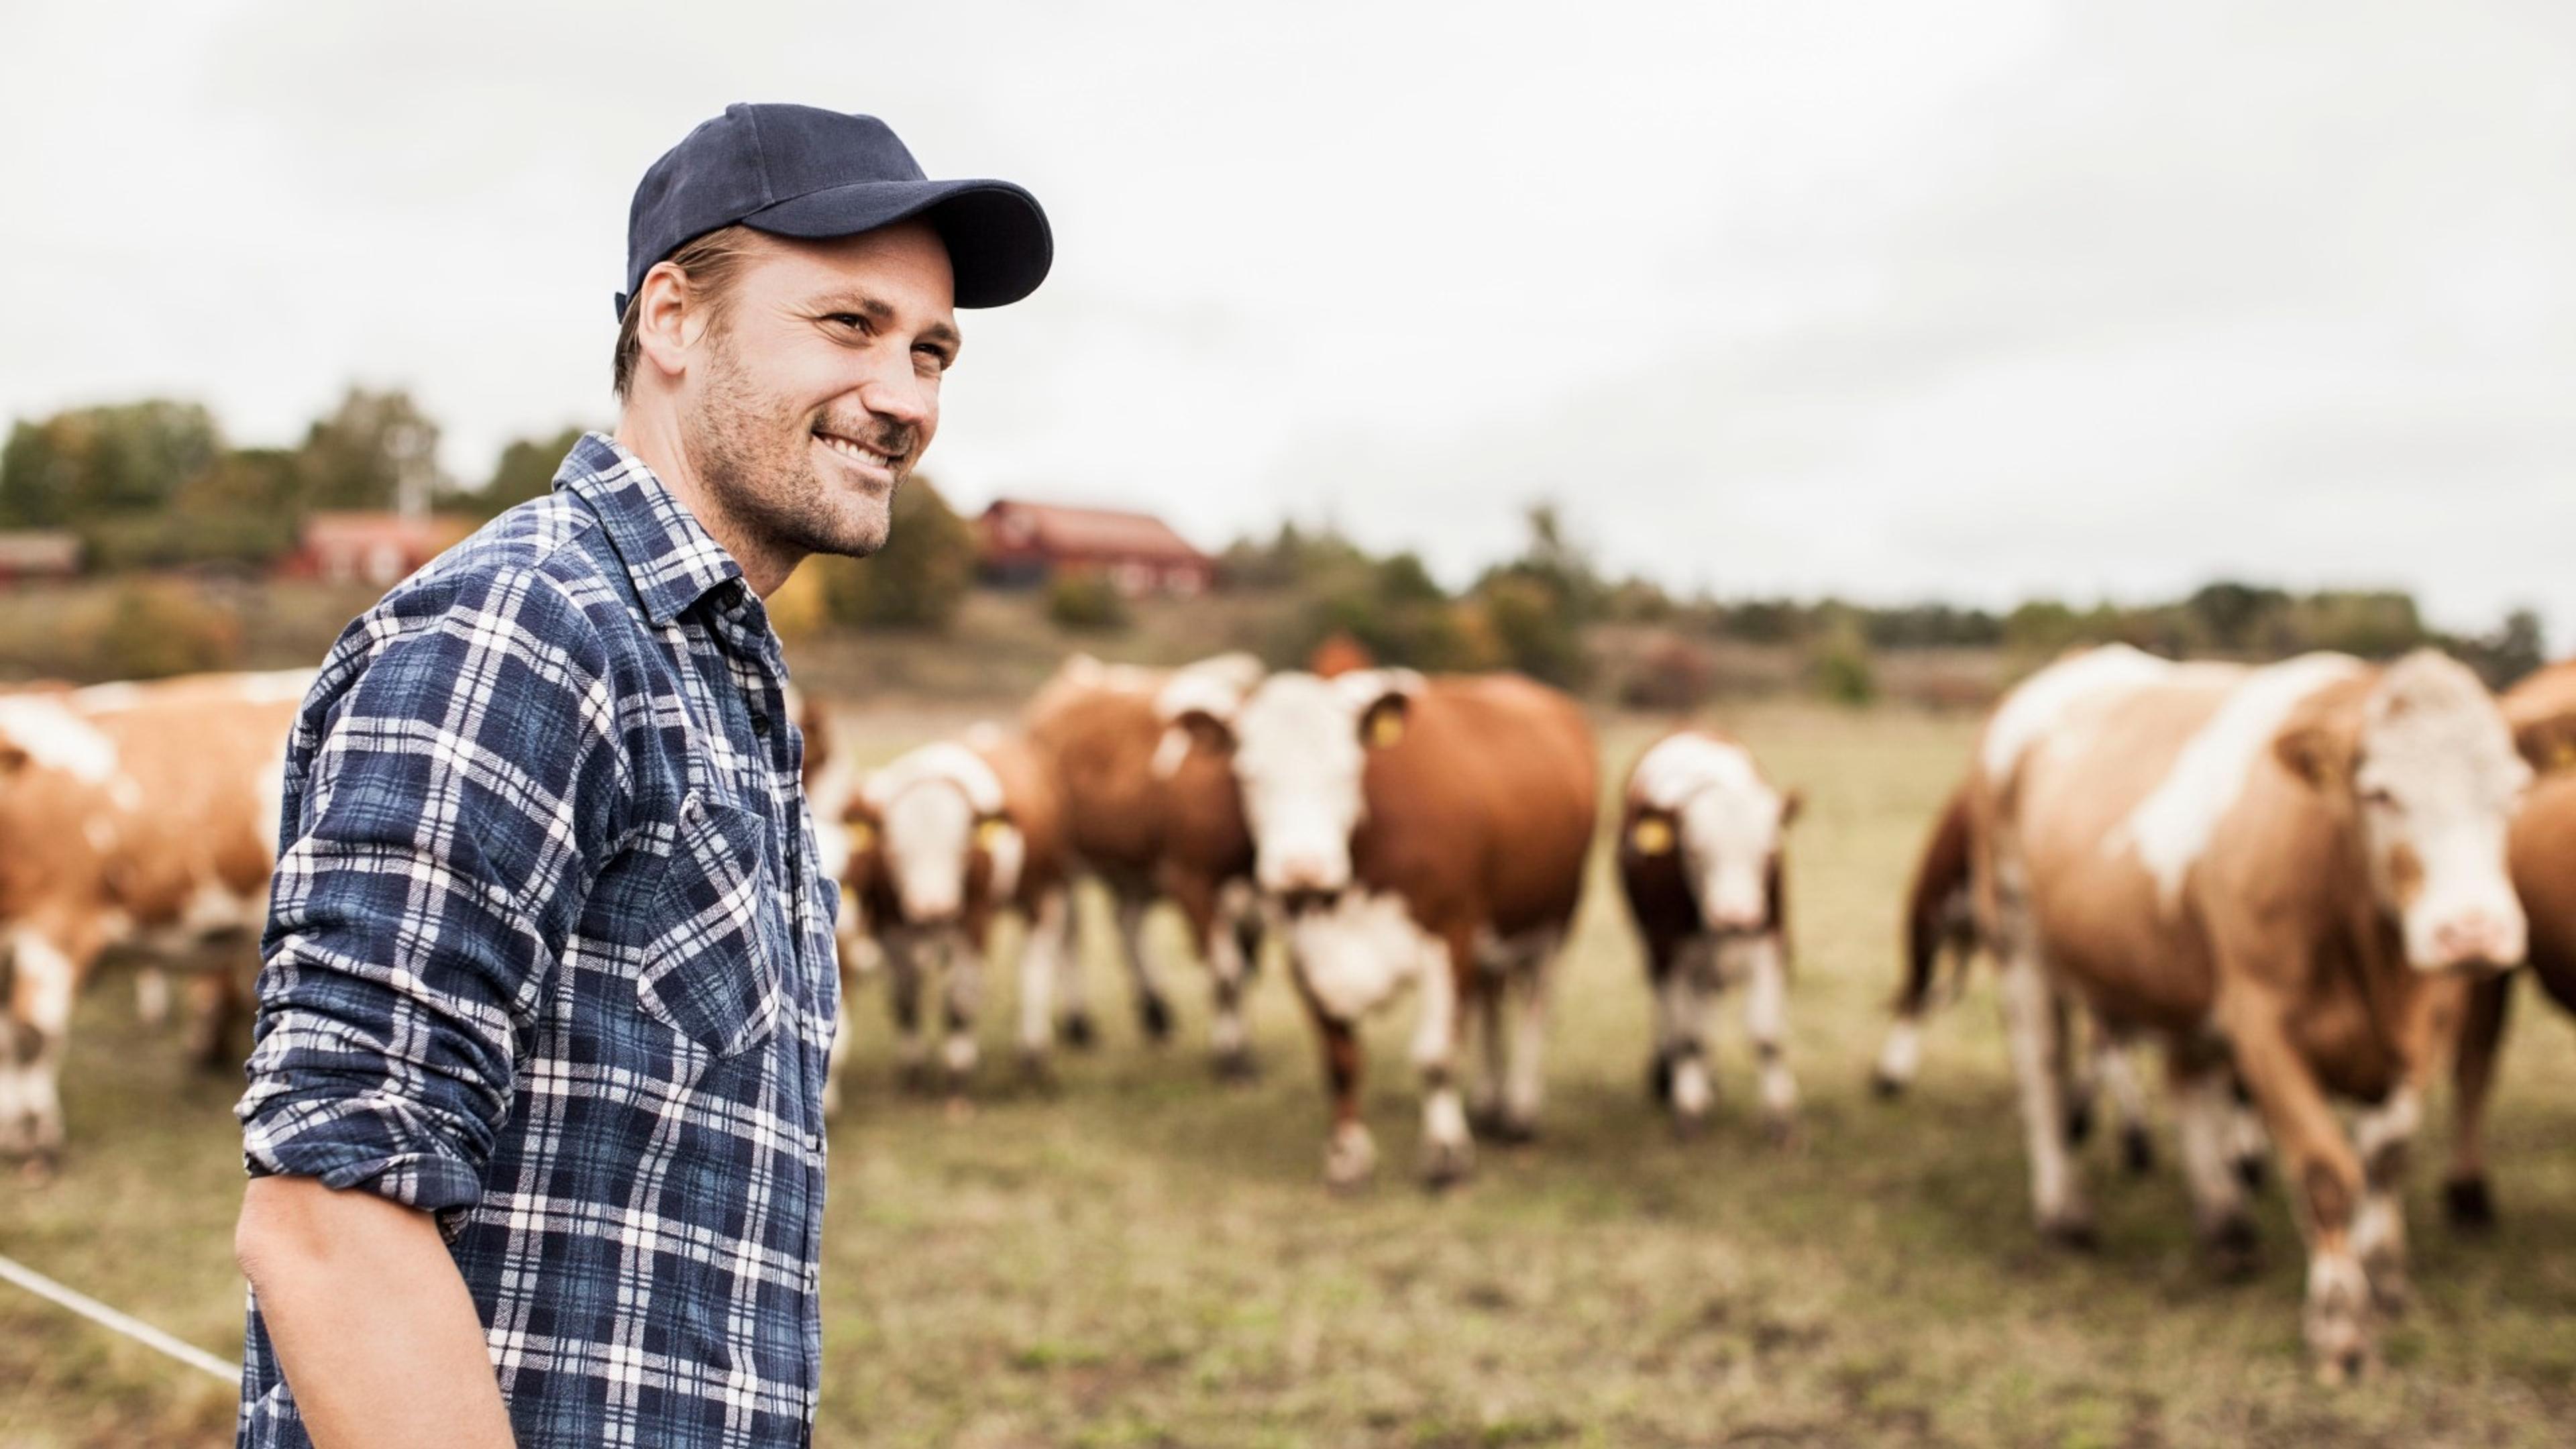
x=371 y=1322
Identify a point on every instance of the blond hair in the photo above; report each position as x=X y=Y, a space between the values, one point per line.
x=710 y=262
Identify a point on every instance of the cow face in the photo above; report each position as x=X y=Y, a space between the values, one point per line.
x=935 y=822
x=2427 y=770
x=1701 y=797
x=1301 y=747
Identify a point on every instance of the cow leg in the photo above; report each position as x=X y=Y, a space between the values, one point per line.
x=1482 y=1019
x=1153 y=1008
x=2031 y=1022
x=1766 y=1025
x=2077 y=1071
x=903 y=959
x=1350 y=1154
x=1449 y=977
x=1204 y=904
x=964 y=982
x=2324 y=1176
x=2205 y=1101
x=2465 y=1197
x=217 y=1002
x=1681 y=1001
x=1900 y=1056
x=1041 y=964
x=1073 y=1024
x=35 y=1018
x=1526 y=1086
x=2384 y=1135
x=2116 y=1066
x=152 y=996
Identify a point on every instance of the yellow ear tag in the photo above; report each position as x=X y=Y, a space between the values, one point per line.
x=2564 y=755
x=990 y=831
x=862 y=835
x=1386 y=728
x=1652 y=836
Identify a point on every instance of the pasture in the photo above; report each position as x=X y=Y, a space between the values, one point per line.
x=1143 y=1256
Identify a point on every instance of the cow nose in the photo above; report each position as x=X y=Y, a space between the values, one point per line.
x=2478 y=941
x=1734 y=923
x=1302 y=872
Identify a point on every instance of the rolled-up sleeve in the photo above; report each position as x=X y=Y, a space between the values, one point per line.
x=447 y=807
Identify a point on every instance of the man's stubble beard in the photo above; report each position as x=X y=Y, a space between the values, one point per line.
x=753 y=453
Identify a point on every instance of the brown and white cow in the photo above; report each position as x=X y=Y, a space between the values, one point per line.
x=2542 y=848
x=2297 y=870
x=139 y=816
x=1428 y=833
x=1700 y=836
x=1150 y=812
x=941 y=841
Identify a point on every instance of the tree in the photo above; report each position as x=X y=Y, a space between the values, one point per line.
x=919 y=580
x=526 y=470
x=90 y=462
x=373 y=451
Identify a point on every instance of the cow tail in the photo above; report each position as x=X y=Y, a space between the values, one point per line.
x=1939 y=875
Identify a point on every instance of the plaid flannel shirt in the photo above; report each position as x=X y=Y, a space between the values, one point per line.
x=549 y=956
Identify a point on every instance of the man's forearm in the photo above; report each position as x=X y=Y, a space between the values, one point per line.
x=371 y=1323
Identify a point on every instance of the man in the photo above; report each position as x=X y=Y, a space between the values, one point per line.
x=534 y=1120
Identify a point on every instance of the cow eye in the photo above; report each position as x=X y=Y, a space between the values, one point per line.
x=2379 y=797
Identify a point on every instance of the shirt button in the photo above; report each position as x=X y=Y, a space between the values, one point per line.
x=691 y=808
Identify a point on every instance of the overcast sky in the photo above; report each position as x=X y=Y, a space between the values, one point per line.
x=1976 y=300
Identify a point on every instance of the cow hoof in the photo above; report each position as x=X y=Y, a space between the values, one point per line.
x=2342 y=1369
x=1513 y=1131
x=2137 y=1150
x=2253 y=1172
x=2072 y=1232
x=1659 y=1078
x=1885 y=1087
x=1156 y=1016
x=2233 y=1249
x=1446 y=1166
x=2079 y=1124
x=1076 y=1031
x=2466 y=1202
x=1350 y=1159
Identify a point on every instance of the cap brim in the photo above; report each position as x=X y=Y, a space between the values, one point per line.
x=999 y=245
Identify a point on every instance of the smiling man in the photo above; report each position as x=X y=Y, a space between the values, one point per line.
x=535 y=1122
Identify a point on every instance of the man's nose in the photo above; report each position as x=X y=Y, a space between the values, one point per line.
x=903 y=401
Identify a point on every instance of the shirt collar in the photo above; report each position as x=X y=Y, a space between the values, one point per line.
x=667 y=552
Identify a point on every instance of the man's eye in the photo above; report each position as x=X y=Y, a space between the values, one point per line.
x=849 y=319
x=930 y=357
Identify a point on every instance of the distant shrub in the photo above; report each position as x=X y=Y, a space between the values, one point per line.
x=1842 y=670
x=159 y=628
x=1674 y=675
x=919 y=580
x=1087 y=602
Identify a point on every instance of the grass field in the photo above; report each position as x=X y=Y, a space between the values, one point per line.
x=1147 y=1258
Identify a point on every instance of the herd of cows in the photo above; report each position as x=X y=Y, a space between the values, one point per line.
x=2305 y=881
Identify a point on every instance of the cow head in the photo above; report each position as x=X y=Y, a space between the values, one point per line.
x=1700 y=798
x=936 y=825
x=1300 y=747
x=2425 y=769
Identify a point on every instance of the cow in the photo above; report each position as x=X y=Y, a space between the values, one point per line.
x=2295 y=871
x=1700 y=836
x=1150 y=813
x=141 y=817
x=1941 y=921
x=941 y=841
x=1417 y=832
x=2542 y=848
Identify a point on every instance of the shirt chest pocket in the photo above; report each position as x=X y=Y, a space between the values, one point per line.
x=711 y=956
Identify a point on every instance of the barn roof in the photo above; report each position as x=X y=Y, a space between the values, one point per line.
x=1063 y=530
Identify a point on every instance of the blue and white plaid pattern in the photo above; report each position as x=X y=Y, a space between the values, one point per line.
x=549 y=955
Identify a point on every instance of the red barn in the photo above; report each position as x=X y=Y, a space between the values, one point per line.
x=379 y=549
x=1024 y=544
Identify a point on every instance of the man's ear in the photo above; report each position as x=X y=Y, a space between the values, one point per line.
x=669 y=318
x=1792 y=801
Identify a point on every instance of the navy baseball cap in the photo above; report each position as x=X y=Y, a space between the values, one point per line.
x=805 y=172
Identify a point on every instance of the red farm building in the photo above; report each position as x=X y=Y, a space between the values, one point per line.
x=1023 y=545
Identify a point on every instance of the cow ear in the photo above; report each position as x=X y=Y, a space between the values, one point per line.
x=2547 y=743
x=13 y=758
x=2316 y=752
x=1191 y=729
x=1792 y=801
x=1386 y=719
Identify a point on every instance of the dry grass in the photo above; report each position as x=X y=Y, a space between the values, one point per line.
x=1146 y=1257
